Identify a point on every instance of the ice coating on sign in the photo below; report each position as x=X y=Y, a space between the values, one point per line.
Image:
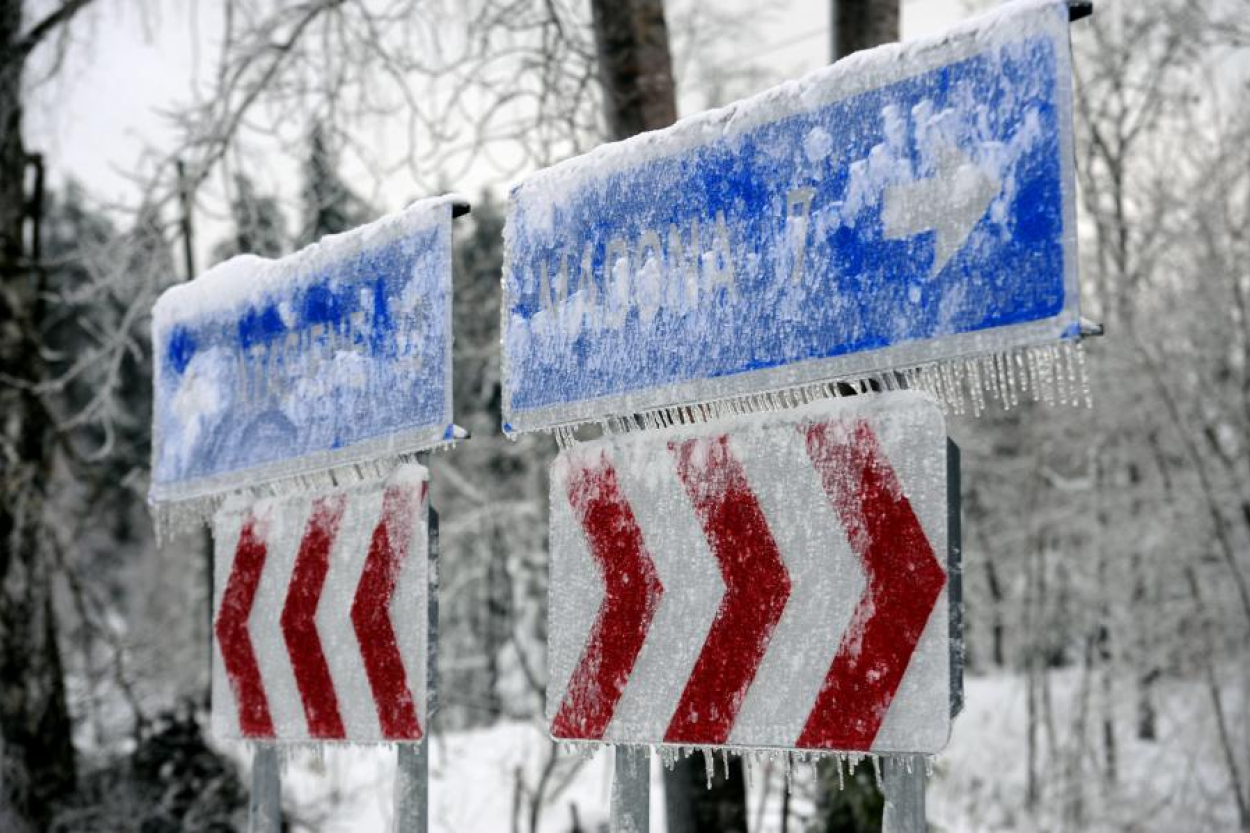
x=335 y=355
x=784 y=585
x=321 y=614
x=908 y=204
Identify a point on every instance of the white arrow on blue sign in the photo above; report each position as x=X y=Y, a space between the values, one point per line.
x=339 y=354
x=905 y=205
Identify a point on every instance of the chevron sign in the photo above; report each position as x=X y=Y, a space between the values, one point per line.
x=769 y=581
x=321 y=615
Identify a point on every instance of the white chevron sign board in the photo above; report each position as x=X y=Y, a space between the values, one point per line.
x=768 y=581
x=321 y=605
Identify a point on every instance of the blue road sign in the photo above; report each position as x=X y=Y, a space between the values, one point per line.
x=906 y=205
x=338 y=354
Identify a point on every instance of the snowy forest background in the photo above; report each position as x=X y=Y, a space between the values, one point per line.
x=1106 y=551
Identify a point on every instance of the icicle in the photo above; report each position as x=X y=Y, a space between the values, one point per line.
x=1057 y=371
x=840 y=763
x=914 y=381
x=928 y=766
x=1026 y=356
x=978 y=387
x=1046 y=358
x=1036 y=377
x=709 y=765
x=1023 y=367
x=876 y=770
x=1069 y=361
x=1059 y=380
x=931 y=380
x=1000 y=379
x=945 y=373
x=1035 y=374
x=1045 y=373
x=1083 y=375
x=1009 y=374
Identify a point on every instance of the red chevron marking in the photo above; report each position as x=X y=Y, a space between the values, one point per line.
x=371 y=613
x=632 y=592
x=904 y=580
x=299 y=626
x=232 y=632
x=757 y=587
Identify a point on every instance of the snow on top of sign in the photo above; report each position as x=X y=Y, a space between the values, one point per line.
x=854 y=74
x=247 y=279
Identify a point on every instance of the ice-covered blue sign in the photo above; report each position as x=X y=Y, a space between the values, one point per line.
x=337 y=355
x=909 y=204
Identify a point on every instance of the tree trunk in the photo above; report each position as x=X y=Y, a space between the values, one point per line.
x=635 y=67
x=690 y=806
x=862 y=24
x=998 y=630
x=36 y=753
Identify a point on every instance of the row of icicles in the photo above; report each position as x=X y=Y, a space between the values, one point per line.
x=1054 y=374
x=790 y=760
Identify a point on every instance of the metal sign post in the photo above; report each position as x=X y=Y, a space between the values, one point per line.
x=631 y=790
x=904 y=797
x=264 y=807
x=412 y=760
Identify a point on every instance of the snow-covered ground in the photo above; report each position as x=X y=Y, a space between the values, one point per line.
x=979 y=783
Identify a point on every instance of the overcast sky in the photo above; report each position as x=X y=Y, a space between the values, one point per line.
x=131 y=63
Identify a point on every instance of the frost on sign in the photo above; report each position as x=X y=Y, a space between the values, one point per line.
x=909 y=204
x=321 y=615
x=771 y=581
x=336 y=355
